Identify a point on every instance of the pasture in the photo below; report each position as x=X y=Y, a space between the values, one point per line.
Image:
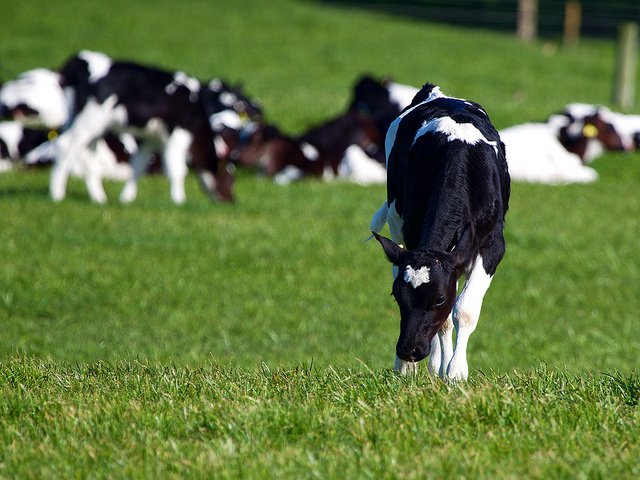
x=256 y=340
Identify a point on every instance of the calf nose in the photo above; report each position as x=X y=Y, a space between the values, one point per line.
x=407 y=353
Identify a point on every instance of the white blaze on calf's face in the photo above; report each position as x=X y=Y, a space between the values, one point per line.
x=416 y=277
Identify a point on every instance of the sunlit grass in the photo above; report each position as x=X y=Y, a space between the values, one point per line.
x=255 y=340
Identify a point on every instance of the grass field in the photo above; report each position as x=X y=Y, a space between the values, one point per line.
x=255 y=340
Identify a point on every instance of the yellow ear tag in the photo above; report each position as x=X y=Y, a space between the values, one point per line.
x=52 y=134
x=243 y=115
x=590 y=131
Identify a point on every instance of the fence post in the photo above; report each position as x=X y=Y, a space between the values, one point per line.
x=625 y=83
x=527 y=29
x=572 y=22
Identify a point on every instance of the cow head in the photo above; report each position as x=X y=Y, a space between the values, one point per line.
x=228 y=106
x=35 y=99
x=425 y=290
x=590 y=134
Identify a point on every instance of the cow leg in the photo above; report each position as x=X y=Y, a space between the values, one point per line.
x=91 y=123
x=465 y=317
x=138 y=163
x=175 y=160
x=441 y=349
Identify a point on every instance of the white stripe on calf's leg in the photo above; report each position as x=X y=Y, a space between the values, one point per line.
x=465 y=317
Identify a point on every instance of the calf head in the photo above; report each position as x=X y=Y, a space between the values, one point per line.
x=588 y=136
x=425 y=290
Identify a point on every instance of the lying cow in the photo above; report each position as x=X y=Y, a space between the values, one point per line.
x=347 y=146
x=35 y=99
x=536 y=155
x=589 y=131
x=25 y=146
x=168 y=110
x=447 y=195
x=380 y=100
x=558 y=151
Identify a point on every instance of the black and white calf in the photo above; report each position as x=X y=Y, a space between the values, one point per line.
x=167 y=110
x=380 y=100
x=448 y=190
x=35 y=99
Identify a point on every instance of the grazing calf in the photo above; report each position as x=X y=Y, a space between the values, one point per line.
x=168 y=110
x=447 y=195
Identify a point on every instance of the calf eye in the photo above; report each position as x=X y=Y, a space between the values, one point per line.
x=439 y=302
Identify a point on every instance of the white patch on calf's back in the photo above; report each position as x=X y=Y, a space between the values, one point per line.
x=464 y=132
x=390 y=137
x=416 y=277
x=98 y=63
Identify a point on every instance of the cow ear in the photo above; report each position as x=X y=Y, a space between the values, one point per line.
x=391 y=249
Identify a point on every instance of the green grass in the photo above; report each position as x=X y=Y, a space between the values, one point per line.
x=132 y=419
x=255 y=340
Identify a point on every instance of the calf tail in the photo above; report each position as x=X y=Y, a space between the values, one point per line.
x=379 y=219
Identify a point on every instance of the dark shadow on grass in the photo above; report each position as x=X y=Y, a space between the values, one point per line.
x=600 y=18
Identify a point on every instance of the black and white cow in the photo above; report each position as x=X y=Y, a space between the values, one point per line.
x=22 y=146
x=168 y=110
x=16 y=140
x=590 y=131
x=35 y=99
x=380 y=100
x=448 y=190
x=348 y=146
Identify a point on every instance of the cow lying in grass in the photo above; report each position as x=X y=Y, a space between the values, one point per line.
x=447 y=195
x=558 y=151
x=24 y=146
x=348 y=146
x=35 y=99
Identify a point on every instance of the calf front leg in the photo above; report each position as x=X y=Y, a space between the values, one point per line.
x=441 y=349
x=91 y=123
x=465 y=318
x=175 y=158
x=138 y=163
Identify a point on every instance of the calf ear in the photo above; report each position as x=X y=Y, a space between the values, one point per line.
x=391 y=249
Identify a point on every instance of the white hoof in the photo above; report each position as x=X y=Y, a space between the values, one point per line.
x=457 y=371
x=128 y=195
